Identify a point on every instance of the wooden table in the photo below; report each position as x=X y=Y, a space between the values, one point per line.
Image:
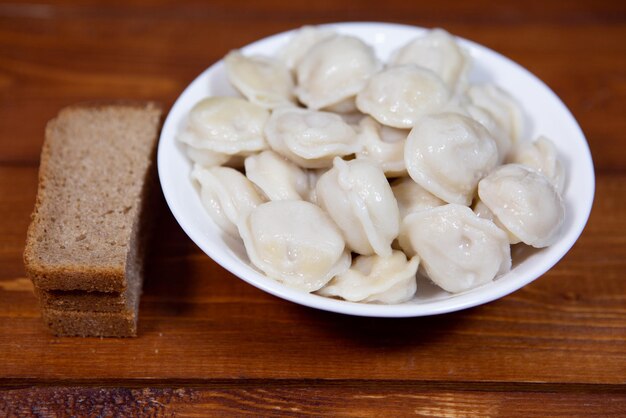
x=208 y=342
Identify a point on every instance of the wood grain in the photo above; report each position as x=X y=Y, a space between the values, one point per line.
x=277 y=399
x=208 y=342
x=568 y=326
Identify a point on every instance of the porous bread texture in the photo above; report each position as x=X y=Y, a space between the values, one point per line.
x=94 y=175
x=91 y=324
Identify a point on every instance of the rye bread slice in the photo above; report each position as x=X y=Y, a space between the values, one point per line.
x=94 y=179
x=91 y=324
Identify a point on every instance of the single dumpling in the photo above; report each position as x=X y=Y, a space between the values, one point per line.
x=458 y=250
x=227 y=195
x=412 y=197
x=358 y=197
x=448 y=154
x=541 y=155
x=526 y=203
x=382 y=145
x=310 y=138
x=334 y=69
x=300 y=42
x=437 y=51
x=206 y=157
x=501 y=105
x=401 y=96
x=264 y=81
x=277 y=177
x=227 y=125
x=373 y=278
x=295 y=243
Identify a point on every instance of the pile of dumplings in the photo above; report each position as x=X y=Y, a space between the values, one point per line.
x=348 y=177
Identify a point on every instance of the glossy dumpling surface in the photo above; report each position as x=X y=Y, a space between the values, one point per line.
x=541 y=155
x=358 y=197
x=376 y=279
x=448 y=154
x=227 y=195
x=300 y=42
x=382 y=145
x=401 y=96
x=310 y=138
x=264 y=81
x=501 y=105
x=437 y=51
x=458 y=250
x=277 y=177
x=227 y=125
x=296 y=243
x=526 y=203
x=333 y=70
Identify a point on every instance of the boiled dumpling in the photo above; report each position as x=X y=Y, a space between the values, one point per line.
x=437 y=51
x=310 y=138
x=296 y=243
x=526 y=203
x=401 y=96
x=358 y=197
x=482 y=211
x=264 y=81
x=382 y=145
x=205 y=157
x=227 y=195
x=333 y=70
x=277 y=177
x=448 y=154
x=504 y=109
x=412 y=197
x=458 y=250
x=227 y=125
x=300 y=42
x=373 y=278
x=541 y=156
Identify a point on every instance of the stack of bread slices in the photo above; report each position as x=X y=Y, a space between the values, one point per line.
x=87 y=240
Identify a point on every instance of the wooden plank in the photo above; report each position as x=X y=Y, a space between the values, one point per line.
x=272 y=399
x=197 y=321
x=55 y=56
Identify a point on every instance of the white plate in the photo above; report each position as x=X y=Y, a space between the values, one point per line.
x=545 y=114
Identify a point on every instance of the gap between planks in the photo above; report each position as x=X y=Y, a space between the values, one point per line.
x=465 y=386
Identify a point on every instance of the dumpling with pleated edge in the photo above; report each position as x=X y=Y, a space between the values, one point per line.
x=526 y=202
x=376 y=279
x=265 y=81
x=458 y=250
x=334 y=70
x=448 y=154
x=541 y=155
x=310 y=138
x=296 y=243
x=277 y=177
x=226 y=125
x=400 y=96
x=226 y=195
x=439 y=52
x=358 y=197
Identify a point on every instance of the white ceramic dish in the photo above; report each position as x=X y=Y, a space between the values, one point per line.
x=545 y=114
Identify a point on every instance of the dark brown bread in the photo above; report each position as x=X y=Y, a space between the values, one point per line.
x=78 y=300
x=91 y=324
x=86 y=243
x=94 y=175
